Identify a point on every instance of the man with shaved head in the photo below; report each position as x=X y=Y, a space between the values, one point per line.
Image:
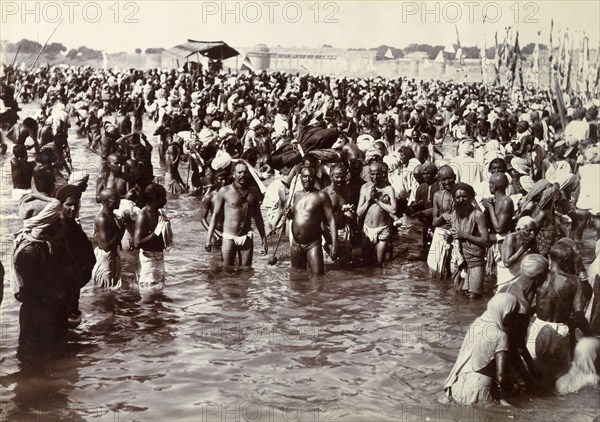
x=112 y=177
x=438 y=258
x=500 y=208
x=376 y=207
x=499 y=212
x=311 y=209
x=108 y=234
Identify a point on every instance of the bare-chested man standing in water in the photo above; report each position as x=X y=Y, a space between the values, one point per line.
x=108 y=234
x=438 y=258
x=149 y=236
x=500 y=207
x=208 y=205
x=236 y=205
x=342 y=211
x=311 y=208
x=112 y=177
x=500 y=212
x=376 y=206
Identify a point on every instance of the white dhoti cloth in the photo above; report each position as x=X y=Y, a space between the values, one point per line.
x=439 y=253
x=107 y=271
x=151 y=271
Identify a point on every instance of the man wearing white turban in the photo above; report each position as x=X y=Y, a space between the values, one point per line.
x=467 y=168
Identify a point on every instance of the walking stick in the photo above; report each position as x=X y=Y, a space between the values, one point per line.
x=273 y=257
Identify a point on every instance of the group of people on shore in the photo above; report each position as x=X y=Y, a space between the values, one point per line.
x=502 y=190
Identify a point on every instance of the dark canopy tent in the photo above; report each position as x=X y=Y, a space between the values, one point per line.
x=215 y=50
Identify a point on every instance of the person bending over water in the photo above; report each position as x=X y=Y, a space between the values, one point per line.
x=480 y=374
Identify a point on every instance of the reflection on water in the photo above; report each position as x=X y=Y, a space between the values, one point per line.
x=267 y=344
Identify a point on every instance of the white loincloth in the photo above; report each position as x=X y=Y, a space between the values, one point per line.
x=238 y=240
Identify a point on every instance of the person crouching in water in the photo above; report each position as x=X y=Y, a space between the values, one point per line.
x=481 y=372
x=376 y=206
x=152 y=235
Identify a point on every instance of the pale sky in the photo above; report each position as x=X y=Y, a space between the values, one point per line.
x=125 y=25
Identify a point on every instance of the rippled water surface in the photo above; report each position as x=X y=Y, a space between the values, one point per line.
x=271 y=344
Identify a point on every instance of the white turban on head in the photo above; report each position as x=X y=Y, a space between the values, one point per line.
x=365 y=142
x=222 y=160
x=392 y=161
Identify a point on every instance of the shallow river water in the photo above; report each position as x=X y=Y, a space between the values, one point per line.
x=272 y=344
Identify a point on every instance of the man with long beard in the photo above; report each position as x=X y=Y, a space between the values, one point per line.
x=470 y=228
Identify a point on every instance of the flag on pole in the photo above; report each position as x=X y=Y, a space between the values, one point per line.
x=483 y=63
x=440 y=57
x=497 y=61
x=569 y=61
x=516 y=68
x=597 y=76
x=560 y=104
x=459 y=54
x=584 y=64
x=551 y=56
x=104 y=60
x=507 y=55
x=533 y=71
x=247 y=65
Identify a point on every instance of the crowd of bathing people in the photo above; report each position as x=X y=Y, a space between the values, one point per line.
x=504 y=187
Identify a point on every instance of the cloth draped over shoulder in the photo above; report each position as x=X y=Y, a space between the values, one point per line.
x=167 y=231
x=39 y=212
x=539 y=187
x=485 y=337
